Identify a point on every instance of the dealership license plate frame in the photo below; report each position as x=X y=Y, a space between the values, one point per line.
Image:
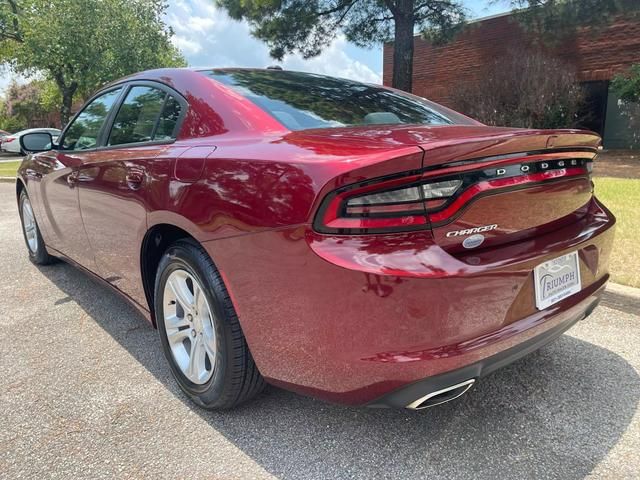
x=554 y=272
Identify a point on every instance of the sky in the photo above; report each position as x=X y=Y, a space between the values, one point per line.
x=207 y=37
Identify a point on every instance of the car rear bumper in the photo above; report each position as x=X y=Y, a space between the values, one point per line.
x=356 y=320
x=409 y=396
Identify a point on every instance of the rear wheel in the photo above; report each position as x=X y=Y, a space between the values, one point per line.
x=35 y=244
x=199 y=330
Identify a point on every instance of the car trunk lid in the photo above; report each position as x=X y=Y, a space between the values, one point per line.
x=480 y=186
x=515 y=184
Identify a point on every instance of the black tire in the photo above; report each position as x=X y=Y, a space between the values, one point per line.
x=39 y=256
x=235 y=377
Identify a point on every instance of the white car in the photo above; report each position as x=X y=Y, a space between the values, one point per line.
x=11 y=143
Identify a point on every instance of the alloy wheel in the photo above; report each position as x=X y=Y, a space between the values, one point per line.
x=29 y=225
x=189 y=326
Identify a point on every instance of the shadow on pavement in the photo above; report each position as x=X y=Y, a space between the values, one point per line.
x=556 y=413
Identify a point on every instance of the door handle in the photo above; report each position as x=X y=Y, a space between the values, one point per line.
x=134 y=180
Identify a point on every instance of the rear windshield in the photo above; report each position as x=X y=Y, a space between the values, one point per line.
x=303 y=100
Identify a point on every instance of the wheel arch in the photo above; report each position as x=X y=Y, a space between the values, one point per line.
x=20 y=186
x=154 y=244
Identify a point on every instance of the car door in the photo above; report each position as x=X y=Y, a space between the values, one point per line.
x=114 y=182
x=58 y=194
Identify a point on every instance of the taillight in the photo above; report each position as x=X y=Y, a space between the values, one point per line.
x=384 y=206
x=418 y=200
x=8 y=139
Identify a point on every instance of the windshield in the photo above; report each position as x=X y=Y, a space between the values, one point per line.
x=303 y=100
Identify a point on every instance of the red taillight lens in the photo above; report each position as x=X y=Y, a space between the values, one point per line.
x=8 y=139
x=360 y=210
x=418 y=200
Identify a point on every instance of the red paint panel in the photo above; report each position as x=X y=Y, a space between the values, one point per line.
x=190 y=164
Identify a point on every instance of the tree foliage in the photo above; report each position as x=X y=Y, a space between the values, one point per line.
x=307 y=26
x=627 y=86
x=29 y=105
x=557 y=19
x=83 y=44
x=525 y=89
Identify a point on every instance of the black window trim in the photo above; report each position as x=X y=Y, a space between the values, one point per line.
x=63 y=135
x=107 y=126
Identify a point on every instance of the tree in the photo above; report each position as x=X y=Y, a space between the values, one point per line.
x=526 y=89
x=83 y=44
x=557 y=19
x=29 y=105
x=627 y=87
x=307 y=26
x=8 y=122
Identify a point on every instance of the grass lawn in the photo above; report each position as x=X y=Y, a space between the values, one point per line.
x=622 y=197
x=8 y=169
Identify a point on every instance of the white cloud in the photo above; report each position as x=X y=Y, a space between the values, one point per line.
x=200 y=24
x=334 y=61
x=207 y=37
x=186 y=46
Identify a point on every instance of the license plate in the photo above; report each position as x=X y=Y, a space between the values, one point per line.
x=556 y=279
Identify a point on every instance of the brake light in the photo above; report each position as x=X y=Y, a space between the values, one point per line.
x=388 y=208
x=8 y=139
x=417 y=201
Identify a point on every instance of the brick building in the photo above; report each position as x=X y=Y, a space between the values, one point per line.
x=598 y=55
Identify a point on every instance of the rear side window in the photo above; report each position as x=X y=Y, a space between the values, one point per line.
x=168 y=119
x=138 y=115
x=83 y=133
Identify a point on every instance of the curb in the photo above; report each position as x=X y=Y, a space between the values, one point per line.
x=7 y=179
x=631 y=293
x=622 y=298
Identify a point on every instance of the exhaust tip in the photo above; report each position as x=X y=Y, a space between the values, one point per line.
x=441 y=396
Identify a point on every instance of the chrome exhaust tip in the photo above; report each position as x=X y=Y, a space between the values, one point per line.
x=441 y=396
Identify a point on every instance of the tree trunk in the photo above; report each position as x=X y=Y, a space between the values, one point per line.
x=65 y=108
x=67 y=100
x=403 y=45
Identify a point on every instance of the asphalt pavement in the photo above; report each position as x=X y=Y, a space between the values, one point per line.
x=85 y=392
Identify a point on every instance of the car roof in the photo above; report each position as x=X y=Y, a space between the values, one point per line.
x=275 y=72
x=163 y=75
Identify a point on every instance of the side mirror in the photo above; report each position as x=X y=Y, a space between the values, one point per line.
x=36 y=142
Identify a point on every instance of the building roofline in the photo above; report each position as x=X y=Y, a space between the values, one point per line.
x=478 y=20
x=491 y=17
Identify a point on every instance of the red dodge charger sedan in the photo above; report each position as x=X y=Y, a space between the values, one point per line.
x=342 y=240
